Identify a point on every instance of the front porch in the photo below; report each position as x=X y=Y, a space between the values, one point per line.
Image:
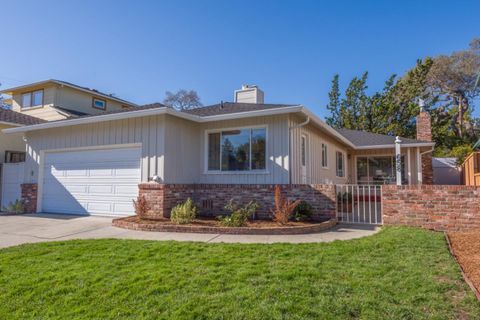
x=378 y=166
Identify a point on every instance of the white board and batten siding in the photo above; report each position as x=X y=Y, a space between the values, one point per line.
x=96 y=181
x=146 y=131
x=12 y=178
x=315 y=172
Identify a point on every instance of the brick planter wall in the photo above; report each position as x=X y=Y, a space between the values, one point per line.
x=211 y=198
x=29 y=197
x=442 y=208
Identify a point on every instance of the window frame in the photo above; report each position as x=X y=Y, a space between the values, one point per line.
x=250 y=171
x=30 y=93
x=99 y=99
x=324 y=166
x=343 y=164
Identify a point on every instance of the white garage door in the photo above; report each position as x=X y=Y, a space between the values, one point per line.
x=95 y=182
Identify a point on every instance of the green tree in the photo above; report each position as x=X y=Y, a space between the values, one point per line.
x=333 y=106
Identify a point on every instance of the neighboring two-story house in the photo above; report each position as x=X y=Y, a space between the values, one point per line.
x=52 y=100
x=44 y=101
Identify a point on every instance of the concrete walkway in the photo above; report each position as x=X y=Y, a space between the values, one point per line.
x=31 y=228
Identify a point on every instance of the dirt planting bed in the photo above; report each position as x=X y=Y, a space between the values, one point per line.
x=466 y=249
x=205 y=225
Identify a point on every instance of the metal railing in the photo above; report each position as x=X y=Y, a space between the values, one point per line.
x=359 y=203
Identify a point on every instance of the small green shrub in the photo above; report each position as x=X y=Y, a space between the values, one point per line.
x=16 y=207
x=303 y=211
x=239 y=215
x=184 y=213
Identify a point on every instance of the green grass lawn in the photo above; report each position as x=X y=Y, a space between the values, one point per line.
x=400 y=273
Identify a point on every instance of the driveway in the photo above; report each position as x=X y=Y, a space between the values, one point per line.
x=31 y=228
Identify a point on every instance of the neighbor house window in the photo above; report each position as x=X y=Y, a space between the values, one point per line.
x=32 y=99
x=340 y=165
x=237 y=150
x=14 y=156
x=324 y=155
x=99 y=103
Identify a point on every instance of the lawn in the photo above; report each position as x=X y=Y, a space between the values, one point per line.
x=400 y=273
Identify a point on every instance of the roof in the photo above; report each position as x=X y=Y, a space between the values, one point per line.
x=444 y=162
x=9 y=91
x=228 y=110
x=17 y=118
x=362 y=139
x=69 y=112
x=233 y=107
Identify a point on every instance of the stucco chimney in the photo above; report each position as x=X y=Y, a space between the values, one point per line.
x=249 y=94
x=424 y=133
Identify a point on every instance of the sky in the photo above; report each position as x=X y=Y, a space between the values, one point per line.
x=138 y=50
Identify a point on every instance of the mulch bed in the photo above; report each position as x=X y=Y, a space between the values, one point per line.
x=209 y=225
x=466 y=249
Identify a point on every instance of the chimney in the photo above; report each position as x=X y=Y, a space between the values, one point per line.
x=424 y=133
x=249 y=94
x=424 y=126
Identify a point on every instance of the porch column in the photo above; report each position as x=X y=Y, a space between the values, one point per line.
x=398 y=160
x=409 y=168
x=419 y=167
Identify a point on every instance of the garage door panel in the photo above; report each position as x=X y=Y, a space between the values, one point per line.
x=102 y=182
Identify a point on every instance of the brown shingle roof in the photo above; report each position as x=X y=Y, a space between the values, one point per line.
x=18 y=118
x=232 y=107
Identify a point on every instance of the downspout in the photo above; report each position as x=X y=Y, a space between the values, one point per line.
x=307 y=121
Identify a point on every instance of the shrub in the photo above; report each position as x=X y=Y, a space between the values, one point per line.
x=141 y=206
x=283 y=207
x=16 y=207
x=184 y=213
x=239 y=215
x=303 y=211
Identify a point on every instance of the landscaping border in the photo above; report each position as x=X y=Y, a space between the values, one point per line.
x=132 y=225
x=464 y=275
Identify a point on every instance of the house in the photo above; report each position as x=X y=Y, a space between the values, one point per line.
x=39 y=102
x=96 y=164
x=53 y=100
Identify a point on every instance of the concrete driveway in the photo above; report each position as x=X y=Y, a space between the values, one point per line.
x=31 y=228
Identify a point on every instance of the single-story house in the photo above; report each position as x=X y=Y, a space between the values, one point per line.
x=96 y=164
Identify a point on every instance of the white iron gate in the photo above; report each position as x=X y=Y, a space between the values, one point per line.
x=359 y=204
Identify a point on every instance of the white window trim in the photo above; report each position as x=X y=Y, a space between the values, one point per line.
x=326 y=156
x=380 y=155
x=344 y=164
x=257 y=171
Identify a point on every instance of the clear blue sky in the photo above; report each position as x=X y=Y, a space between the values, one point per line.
x=291 y=49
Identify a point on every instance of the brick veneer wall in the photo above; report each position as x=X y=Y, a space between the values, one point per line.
x=424 y=133
x=442 y=208
x=211 y=198
x=29 y=197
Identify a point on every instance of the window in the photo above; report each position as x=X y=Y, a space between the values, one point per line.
x=32 y=99
x=14 y=156
x=99 y=103
x=304 y=151
x=340 y=165
x=237 y=150
x=37 y=98
x=324 y=155
x=378 y=170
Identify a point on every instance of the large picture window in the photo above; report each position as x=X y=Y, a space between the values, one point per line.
x=237 y=150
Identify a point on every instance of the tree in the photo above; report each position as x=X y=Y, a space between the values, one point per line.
x=334 y=105
x=452 y=80
x=182 y=100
